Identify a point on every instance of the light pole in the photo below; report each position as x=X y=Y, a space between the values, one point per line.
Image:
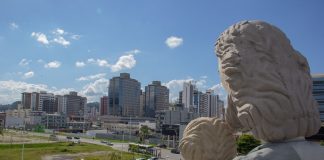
x=23 y=147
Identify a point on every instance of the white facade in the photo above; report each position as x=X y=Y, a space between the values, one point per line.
x=187 y=95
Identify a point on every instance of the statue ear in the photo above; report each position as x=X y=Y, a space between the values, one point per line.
x=231 y=115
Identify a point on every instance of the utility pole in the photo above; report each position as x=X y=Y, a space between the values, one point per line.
x=23 y=147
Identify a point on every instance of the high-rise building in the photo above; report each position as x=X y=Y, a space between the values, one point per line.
x=142 y=104
x=46 y=102
x=104 y=105
x=60 y=102
x=210 y=105
x=124 y=96
x=26 y=100
x=42 y=101
x=196 y=100
x=318 y=92
x=187 y=95
x=75 y=105
x=34 y=103
x=156 y=98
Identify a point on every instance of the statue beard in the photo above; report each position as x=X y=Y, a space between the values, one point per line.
x=260 y=105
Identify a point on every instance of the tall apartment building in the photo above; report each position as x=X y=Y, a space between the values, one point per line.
x=156 y=98
x=60 y=104
x=187 y=95
x=26 y=100
x=318 y=92
x=104 y=105
x=34 y=102
x=41 y=101
x=210 y=105
x=46 y=102
x=75 y=105
x=124 y=96
x=142 y=104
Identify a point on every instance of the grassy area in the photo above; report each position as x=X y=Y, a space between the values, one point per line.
x=115 y=156
x=36 y=151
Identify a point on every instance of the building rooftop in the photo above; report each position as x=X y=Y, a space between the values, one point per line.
x=318 y=75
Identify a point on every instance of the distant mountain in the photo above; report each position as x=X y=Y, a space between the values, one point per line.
x=14 y=105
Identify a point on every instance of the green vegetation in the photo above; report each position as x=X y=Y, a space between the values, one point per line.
x=143 y=133
x=36 y=151
x=322 y=143
x=245 y=143
x=114 y=156
x=39 y=128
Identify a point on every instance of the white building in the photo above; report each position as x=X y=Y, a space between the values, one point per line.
x=187 y=95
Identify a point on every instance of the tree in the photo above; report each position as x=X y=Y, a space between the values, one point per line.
x=245 y=143
x=143 y=133
x=1 y=131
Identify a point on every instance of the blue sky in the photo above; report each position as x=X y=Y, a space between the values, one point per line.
x=60 y=46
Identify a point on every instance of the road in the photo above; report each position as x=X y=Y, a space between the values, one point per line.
x=165 y=153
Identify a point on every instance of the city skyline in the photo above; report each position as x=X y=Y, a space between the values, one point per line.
x=79 y=46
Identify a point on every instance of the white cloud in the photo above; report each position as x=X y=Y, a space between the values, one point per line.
x=53 y=64
x=28 y=75
x=24 y=62
x=94 y=90
x=219 y=90
x=133 y=52
x=10 y=91
x=102 y=63
x=176 y=85
x=60 y=40
x=58 y=36
x=91 y=60
x=92 y=77
x=126 y=61
x=173 y=42
x=40 y=37
x=76 y=37
x=79 y=64
x=59 y=31
x=13 y=26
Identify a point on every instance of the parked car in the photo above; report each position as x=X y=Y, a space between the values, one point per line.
x=175 y=151
x=68 y=137
x=53 y=137
x=102 y=141
x=153 y=158
x=76 y=141
x=76 y=137
x=162 y=145
x=109 y=143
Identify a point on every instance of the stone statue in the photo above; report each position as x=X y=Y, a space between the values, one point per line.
x=269 y=93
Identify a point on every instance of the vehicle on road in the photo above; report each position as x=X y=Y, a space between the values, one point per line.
x=109 y=143
x=175 y=151
x=140 y=159
x=53 y=137
x=102 y=141
x=162 y=145
x=153 y=158
x=68 y=137
x=76 y=137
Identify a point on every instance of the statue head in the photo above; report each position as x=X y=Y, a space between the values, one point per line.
x=268 y=82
